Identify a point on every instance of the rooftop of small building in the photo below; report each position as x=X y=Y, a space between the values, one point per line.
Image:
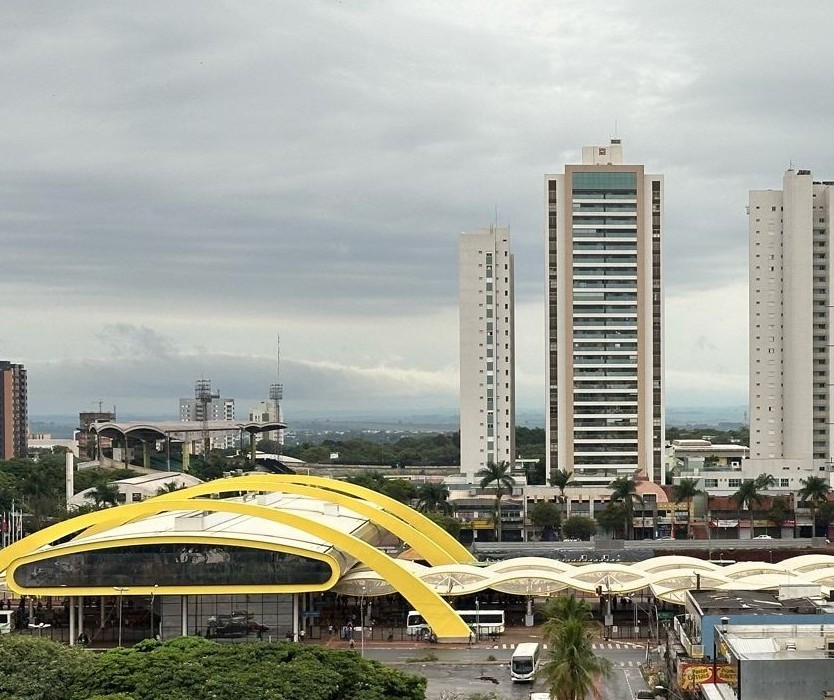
x=785 y=601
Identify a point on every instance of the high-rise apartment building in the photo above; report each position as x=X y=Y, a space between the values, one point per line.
x=605 y=416
x=487 y=345
x=790 y=315
x=213 y=408
x=14 y=417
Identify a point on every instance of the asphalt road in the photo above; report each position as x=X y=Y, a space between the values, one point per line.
x=460 y=672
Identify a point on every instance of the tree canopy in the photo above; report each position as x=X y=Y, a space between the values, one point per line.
x=189 y=668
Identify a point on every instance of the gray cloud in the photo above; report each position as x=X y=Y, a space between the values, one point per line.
x=209 y=174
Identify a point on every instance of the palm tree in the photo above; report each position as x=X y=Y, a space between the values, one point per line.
x=624 y=490
x=686 y=490
x=573 y=667
x=814 y=489
x=432 y=496
x=499 y=475
x=560 y=479
x=746 y=496
x=104 y=495
x=168 y=487
x=562 y=608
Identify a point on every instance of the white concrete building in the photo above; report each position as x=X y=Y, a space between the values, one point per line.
x=605 y=416
x=487 y=349
x=790 y=307
x=217 y=408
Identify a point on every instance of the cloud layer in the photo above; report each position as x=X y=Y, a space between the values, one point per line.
x=181 y=182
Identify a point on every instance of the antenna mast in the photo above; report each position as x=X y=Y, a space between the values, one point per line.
x=276 y=395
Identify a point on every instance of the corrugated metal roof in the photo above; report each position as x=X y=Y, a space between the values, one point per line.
x=742 y=645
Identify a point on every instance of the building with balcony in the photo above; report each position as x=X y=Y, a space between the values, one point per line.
x=14 y=417
x=487 y=349
x=791 y=355
x=605 y=416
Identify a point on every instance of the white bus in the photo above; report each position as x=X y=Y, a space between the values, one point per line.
x=525 y=662
x=485 y=622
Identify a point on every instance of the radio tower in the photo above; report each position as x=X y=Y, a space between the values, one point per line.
x=276 y=395
x=204 y=397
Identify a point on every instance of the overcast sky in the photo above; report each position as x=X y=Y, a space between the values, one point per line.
x=182 y=181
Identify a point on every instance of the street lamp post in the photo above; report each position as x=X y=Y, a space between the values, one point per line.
x=121 y=590
x=362 y=621
x=477 y=620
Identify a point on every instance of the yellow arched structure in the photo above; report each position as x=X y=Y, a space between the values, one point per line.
x=445 y=622
x=278 y=482
x=421 y=539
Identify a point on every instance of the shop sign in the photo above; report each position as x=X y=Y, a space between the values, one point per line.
x=690 y=676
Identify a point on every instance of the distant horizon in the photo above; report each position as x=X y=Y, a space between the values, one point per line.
x=442 y=420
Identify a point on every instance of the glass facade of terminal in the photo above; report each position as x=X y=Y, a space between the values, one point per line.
x=173 y=565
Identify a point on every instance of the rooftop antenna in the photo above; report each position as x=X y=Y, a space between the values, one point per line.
x=204 y=397
x=276 y=395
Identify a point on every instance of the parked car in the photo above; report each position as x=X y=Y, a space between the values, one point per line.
x=762 y=537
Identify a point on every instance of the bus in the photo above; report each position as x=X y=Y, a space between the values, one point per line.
x=482 y=622
x=525 y=662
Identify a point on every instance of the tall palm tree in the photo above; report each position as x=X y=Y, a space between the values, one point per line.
x=573 y=667
x=560 y=479
x=747 y=495
x=685 y=490
x=815 y=489
x=499 y=475
x=624 y=490
x=433 y=497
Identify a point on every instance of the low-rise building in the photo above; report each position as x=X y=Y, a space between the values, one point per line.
x=761 y=644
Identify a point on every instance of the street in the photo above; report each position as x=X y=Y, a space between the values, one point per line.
x=460 y=672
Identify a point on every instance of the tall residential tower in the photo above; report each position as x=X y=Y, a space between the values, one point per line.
x=487 y=346
x=14 y=417
x=790 y=315
x=605 y=416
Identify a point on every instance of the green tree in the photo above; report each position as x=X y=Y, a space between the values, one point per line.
x=685 y=490
x=546 y=517
x=497 y=475
x=573 y=667
x=579 y=527
x=746 y=496
x=168 y=487
x=780 y=510
x=433 y=496
x=560 y=479
x=815 y=490
x=613 y=518
x=624 y=490
x=104 y=495
x=447 y=522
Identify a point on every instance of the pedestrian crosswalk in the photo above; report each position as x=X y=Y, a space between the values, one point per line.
x=595 y=646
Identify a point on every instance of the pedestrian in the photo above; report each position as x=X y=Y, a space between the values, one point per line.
x=301 y=633
x=352 y=645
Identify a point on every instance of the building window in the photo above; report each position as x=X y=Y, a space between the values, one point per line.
x=711 y=483
x=734 y=483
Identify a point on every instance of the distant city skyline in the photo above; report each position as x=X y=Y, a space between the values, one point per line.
x=181 y=183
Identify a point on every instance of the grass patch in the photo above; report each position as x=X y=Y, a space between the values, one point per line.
x=428 y=657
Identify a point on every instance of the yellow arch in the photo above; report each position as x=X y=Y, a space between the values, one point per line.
x=438 y=613
x=254 y=482
x=420 y=541
x=158 y=589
